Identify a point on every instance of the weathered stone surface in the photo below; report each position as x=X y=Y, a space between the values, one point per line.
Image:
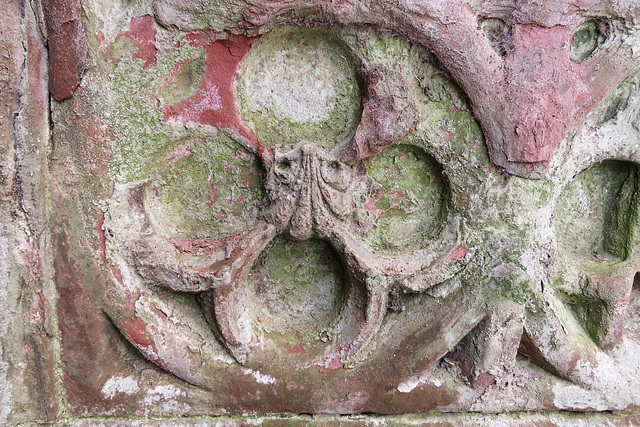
x=526 y=94
x=207 y=233
x=436 y=420
x=29 y=348
x=67 y=46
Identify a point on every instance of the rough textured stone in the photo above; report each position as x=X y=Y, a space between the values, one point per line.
x=207 y=234
x=67 y=46
x=526 y=95
x=28 y=370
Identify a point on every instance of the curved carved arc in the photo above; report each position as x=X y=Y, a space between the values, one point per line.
x=562 y=343
x=229 y=309
x=230 y=304
x=194 y=266
x=220 y=268
x=520 y=140
x=173 y=335
x=364 y=274
x=379 y=274
x=309 y=195
x=521 y=101
x=602 y=288
x=423 y=269
x=612 y=289
x=178 y=345
x=557 y=339
x=179 y=264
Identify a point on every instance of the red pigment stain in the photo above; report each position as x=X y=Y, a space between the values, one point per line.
x=297 y=349
x=336 y=363
x=100 y=38
x=201 y=38
x=206 y=246
x=446 y=134
x=135 y=330
x=370 y=204
x=213 y=195
x=67 y=46
x=189 y=245
x=143 y=36
x=102 y=236
x=241 y=200
x=214 y=103
x=169 y=111
x=398 y=194
x=116 y=270
x=541 y=65
x=458 y=252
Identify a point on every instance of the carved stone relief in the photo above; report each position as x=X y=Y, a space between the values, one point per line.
x=310 y=219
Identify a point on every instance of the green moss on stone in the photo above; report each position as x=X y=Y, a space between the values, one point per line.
x=215 y=189
x=130 y=99
x=299 y=289
x=592 y=313
x=409 y=203
x=586 y=40
x=186 y=82
x=596 y=212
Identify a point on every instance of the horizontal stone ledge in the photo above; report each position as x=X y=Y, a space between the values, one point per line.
x=560 y=419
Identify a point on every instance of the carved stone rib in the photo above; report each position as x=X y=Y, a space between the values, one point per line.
x=230 y=303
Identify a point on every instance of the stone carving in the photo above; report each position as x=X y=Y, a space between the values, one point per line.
x=520 y=303
x=390 y=267
x=526 y=105
x=310 y=194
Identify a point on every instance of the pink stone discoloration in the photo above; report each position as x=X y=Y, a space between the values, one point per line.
x=459 y=252
x=386 y=118
x=143 y=36
x=136 y=329
x=68 y=50
x=297 y=349
x=214 y=102
x=541 y=90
